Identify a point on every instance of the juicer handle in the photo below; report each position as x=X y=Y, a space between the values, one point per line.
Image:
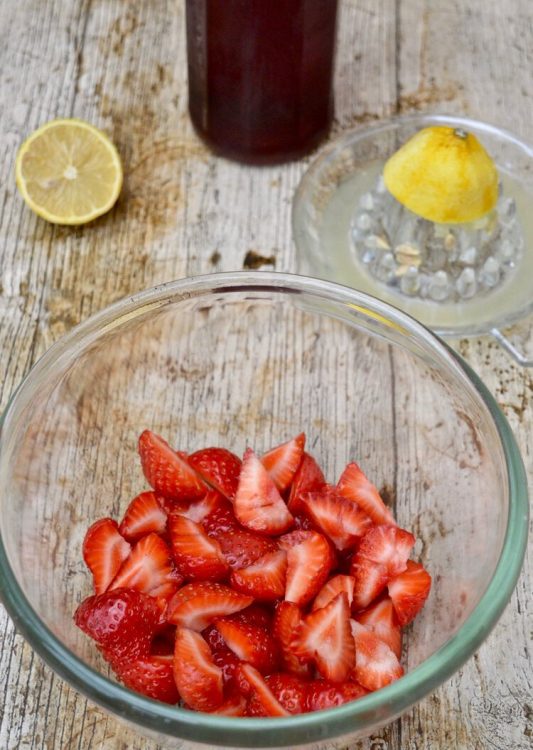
x=510 y=348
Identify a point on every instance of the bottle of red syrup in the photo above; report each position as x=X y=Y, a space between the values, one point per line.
x=260 y=76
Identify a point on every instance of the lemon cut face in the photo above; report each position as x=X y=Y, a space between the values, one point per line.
x=69 y=172
x=444 y=175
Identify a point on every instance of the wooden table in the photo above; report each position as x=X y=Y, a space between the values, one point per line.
x=121 y=65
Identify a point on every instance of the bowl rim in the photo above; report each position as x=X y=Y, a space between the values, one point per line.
x=332 y=148
x=388 y=702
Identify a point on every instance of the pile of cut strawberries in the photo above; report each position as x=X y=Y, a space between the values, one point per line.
x=253 y=587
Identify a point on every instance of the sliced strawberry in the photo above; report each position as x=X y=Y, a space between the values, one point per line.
x=287 y=541
x=122 y=622
x=198 y=678
x=286 y=630
x=381 y=620
x=255 y=614
x=326 y=638
x=308 y=566
x=308 y=478
x=343 y=522
x=354 y=485
x=200 y=510
x=221 y=518
x=198 y=557
x=104 y=551
x=234 y=705
x=382 y=555
x=322 y=694
x=143 y=516
x=332 y=588
x=196 y=605
x=250 y=643
x=376 y=665
x=241 y=548
x=409 y=591
x=258 y=504
x=283 y=461
x=148 y=568
x=218 y=467
x=252 y=684
x=152 y=676
x=264 y=579
x=166 y=471
x=289 y=691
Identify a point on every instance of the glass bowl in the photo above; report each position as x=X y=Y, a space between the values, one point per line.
x=328 y=195
x=254 y=358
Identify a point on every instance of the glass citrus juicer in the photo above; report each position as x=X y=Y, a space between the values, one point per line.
x=429 y=213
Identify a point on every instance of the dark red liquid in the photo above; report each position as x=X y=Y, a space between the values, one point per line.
x=260 y=75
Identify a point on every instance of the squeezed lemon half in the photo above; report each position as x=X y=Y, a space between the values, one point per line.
x=69 y=172
x=444 y=175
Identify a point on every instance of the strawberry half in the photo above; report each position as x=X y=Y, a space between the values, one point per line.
x=376 y=665
x=143 y=516
x=289 y=691
x=122 y=622
x=253 y=685
x=152 y=676
x=283 y=461
x=250 y=643
x=339 y=519
x=409 y=591
x=286 y=629
x=196 y=605
x=308 y=478
x=198 y=557
x=149 y=569
x=326 y=638
x=104 y=551
x=382 y=555
x=258 y=504
x=197 y=677
x=218 y=467
x=381 y=620
x=220 y=518
x=354 y=485
x=308 y=566
x=322 y=694
x=166 y=471
x=234 y=705
x=264 y=579
x=333 y=587
x=241 y=548
x=200 y=510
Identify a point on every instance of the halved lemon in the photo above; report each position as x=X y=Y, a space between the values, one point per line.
x=69 y=172
x=444 y=175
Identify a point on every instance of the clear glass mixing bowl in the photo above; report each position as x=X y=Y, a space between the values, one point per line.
x=253 y=358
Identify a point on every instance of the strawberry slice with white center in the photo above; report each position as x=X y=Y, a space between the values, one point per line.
x=376 y=665
x=234 y=705
x=326 y=638
x=196 y=605
x=286 y=628
x=308 y=565
x=198 y=557
x=104 y=551
x=308 y=478
x=409 y=591
x=339 y=519
x=283 y=461
x=167 y=472
x=264 y=579
x=354 y=485
x=143 y=516
x=197 y=677
x=200 y=510
x=381 y=619
x=258 y=504
x=382 y=555
x=250 y=643
x=252 y=684
x=148 y=568
x=333 y=587
x=218 y=467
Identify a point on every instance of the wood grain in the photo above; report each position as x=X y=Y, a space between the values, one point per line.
x=122 y=66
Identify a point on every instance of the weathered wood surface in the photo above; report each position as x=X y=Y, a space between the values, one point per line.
x=121 y=65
